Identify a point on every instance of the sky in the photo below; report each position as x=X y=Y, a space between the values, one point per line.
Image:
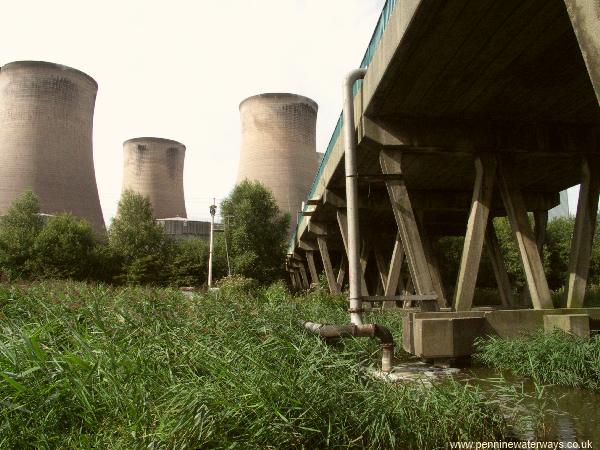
x=179 y=70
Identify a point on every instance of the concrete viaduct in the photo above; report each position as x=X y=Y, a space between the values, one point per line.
x=470 y=109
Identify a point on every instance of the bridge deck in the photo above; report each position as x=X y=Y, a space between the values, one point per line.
x=450 y=81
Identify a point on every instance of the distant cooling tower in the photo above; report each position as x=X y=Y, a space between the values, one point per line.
x=278 y=146
x=153 y=167
x=46 y=114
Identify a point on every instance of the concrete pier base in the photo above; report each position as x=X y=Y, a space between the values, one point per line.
x=439 y=335
x=576 y=324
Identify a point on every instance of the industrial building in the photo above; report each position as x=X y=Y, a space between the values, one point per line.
x=153 y=167
x=46 y=120
x=278 y=146
x=180 y=228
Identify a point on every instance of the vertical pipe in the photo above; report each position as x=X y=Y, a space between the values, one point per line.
x=354 y=269
x=213 y=209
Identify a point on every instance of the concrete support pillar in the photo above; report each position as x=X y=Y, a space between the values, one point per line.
x=394 y=277
x=523 y=234
x=391 y=164
x=540 y=219
x=342 y=219
x=498 y=266
x=303 y=276
x=331 y=281
x=342 y=271
x=293 y=279
x=310 y=259
x=583 y=234
x=485 y=171
x=432 y=263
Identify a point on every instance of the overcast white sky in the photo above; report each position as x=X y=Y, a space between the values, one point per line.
x=178 y=69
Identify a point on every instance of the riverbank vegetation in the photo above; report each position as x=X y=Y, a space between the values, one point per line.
x=550 y=358
x=139 y=367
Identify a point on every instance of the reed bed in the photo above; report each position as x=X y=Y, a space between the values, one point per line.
x=92 y=366
x=552 y=358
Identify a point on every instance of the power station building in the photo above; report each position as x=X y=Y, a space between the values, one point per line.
x=46 y=120
x=278 y=146
x=153 y=167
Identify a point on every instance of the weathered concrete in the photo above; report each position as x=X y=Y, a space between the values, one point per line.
x=278 y=146
x=576 y=324
x=439 y=338
x=153 y=167
x=451 y=334
x=46 y=116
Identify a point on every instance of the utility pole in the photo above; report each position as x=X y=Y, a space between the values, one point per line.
x=213 y=210
x=226 y=246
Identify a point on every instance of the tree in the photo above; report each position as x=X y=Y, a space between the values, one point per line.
x=138 y=243
x=189 y=266
x=64 y=248
x=257 y=232
x=18 y=231
x=557 y=249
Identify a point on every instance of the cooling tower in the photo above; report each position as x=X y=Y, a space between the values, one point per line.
x=46 y=114
x=153 y=167
x=278 y=146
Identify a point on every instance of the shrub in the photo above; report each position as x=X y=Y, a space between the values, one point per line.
x=189 y=266
x=557 y=358
x=138 y=243
x=64 y=248
x=18 y=231
x=558 y=247
x=257 y=232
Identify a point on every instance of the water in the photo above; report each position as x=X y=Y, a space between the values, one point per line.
x=561 y=414
x=568 y=414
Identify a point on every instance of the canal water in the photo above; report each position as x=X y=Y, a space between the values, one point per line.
x=533 y=411
x=566 y=414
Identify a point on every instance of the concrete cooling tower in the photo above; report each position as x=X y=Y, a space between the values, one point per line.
x=46 y=114
x=278 y=146
x=153 y=167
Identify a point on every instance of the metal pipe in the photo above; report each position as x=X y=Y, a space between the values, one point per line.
x=356 y=328
x=368 y=330
x=354 y=270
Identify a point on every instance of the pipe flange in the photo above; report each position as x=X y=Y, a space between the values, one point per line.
x=355 y=310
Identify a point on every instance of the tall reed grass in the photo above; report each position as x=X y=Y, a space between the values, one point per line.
x=85 y=366
x=555 y=358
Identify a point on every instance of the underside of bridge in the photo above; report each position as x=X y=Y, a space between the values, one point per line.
x=470 y=109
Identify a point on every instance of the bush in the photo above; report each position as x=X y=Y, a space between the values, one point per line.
x=257 y=233
x=64 y=248
x=18 y=231
x=189 y=266
x=558 y=247
x=556 y=358
x=138 y=243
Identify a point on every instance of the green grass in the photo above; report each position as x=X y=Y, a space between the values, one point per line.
x=554 y=358
x=86 y=366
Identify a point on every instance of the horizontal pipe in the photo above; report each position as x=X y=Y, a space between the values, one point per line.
x=372 y=330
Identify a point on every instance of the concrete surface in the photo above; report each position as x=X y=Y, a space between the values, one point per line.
x=46 y=118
